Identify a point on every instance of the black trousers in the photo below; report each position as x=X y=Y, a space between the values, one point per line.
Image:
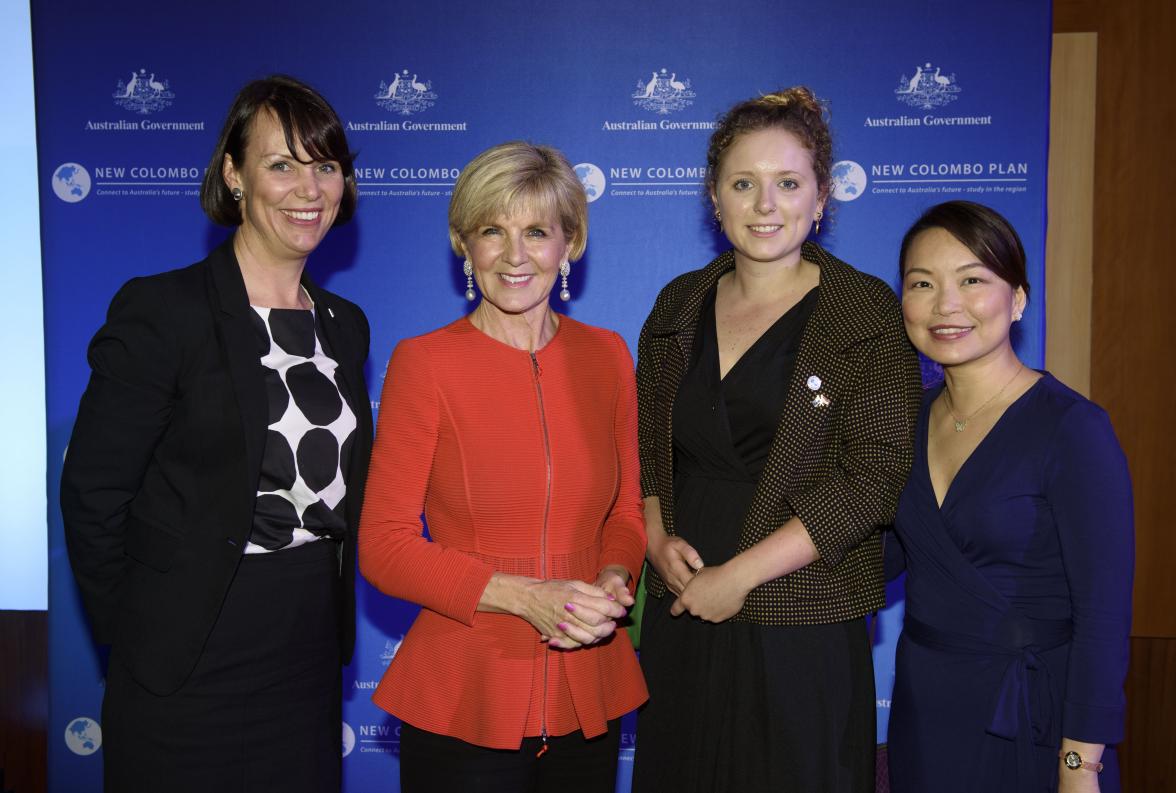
x=262 y=709
x=431 y=763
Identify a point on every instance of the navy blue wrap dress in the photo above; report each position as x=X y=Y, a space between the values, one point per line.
x=1018 y=602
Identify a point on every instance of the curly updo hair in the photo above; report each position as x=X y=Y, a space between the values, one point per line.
x=796 y=110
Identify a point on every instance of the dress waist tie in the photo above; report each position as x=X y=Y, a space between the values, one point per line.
x=1024 y=701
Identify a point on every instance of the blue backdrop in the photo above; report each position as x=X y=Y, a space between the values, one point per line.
x=929 y=102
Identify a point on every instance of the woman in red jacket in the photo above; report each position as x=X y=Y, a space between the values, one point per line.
x=514 y=431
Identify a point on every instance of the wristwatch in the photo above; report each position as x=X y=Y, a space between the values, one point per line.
x=1074 y=761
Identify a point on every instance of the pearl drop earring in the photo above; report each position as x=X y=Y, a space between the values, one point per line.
x=564 y=269
x=468 y=269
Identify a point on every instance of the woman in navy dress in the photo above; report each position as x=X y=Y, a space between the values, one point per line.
x=1016 y=527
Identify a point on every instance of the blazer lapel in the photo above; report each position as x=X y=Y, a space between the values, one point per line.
x=680 y=324
x=819 y=379
x=238 y=341
x=682 y=320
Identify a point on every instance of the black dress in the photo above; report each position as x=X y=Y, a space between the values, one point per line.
x=738 y=706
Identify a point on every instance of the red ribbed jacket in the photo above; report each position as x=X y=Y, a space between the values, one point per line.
x=460 y=438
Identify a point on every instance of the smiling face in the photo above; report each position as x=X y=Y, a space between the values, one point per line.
x=289 y=202
x=516 y=260
x=767 y=195
x=955 y=309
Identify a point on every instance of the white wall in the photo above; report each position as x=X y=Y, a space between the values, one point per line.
x=23 y=531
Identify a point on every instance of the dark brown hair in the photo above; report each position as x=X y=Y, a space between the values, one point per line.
x=796 y=110
x=305 y=117
x=980 y=229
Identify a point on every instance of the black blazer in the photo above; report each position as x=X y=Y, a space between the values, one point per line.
x=842 y=449
x=161 y=474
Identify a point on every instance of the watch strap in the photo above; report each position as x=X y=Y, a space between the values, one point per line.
x=1073 y=761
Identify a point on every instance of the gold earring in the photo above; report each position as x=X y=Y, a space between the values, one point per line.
x=819 y=216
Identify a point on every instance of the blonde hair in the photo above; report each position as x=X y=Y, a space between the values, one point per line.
x=514 y=176
x=796 y=110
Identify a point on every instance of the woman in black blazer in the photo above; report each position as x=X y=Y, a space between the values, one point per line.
x=214 y=479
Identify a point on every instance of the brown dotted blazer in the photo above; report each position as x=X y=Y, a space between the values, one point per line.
x=838 y=466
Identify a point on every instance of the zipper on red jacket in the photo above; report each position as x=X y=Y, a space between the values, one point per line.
x=543 y=536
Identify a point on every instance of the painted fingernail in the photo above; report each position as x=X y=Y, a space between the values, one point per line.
x=563 y=626
x=611 y=596
x=569 y=606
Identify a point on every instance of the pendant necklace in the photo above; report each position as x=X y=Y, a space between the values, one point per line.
x=961 y=424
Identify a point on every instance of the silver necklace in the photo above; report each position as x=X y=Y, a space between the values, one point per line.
x=960 y=425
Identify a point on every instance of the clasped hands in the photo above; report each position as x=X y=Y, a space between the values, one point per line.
x=570 y=614
x=712 y=594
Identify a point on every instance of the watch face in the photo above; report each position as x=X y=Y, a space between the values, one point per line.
x=1072 y=760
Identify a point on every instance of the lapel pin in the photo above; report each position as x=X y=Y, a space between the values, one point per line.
x=821 y=401
x=814 y=382
x=329 y=311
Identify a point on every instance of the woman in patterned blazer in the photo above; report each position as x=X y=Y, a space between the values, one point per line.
x=777 y=396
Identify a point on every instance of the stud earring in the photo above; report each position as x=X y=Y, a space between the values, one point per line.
x=820 y=215
x=564 y=269
x=1017 y=317
x=468 y=269
x=237 y=194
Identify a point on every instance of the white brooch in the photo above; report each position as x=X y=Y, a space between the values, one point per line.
x=821 y=401
x=814 y=382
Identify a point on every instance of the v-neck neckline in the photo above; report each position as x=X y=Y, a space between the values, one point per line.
x=967 y=463
x=721 y=378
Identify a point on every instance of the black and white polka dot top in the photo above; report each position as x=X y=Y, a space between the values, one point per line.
x=302 y=490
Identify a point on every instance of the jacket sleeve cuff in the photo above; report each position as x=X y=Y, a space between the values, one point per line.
x=1092 y=723
x=464 y=599
x=819 y=513
x=629 y=558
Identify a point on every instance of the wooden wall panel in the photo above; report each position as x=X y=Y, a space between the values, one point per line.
x=1071 y=208
x=1133 y=374
x=1148 y=756
x=24 y=700
x=1077 y=16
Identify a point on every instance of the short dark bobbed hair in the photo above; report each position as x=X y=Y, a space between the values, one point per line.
x=796 y=110
x=306 y=118
x=982 y=230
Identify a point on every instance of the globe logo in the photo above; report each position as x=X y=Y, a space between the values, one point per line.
x=348 y=739
x=849 y=180
x=593 y=180
x=71 y=182
x=83 y=736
